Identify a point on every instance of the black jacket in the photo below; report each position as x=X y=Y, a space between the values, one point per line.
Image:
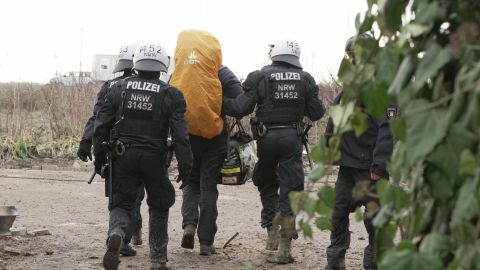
x=147 y=128
x=372 y=150
x=254 y=87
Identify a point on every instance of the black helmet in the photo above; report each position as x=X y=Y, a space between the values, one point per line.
x=350 y=44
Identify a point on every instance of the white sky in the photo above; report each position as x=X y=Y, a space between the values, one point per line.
x=40 y=37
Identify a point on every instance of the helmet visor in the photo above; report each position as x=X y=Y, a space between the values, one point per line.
x=122 y=65
x=292 y=60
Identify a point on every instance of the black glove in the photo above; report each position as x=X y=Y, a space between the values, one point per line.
x=99 y=161
x=84 y=150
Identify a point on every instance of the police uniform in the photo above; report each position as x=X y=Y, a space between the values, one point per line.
x=86 y=145
x=360 y=157
x=283 y=94
x=199 y=206
x=141 y=113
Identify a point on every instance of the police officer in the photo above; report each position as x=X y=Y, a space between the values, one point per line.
x=208 y=157
x=363 y=161
x=283 y=94
x=124 y=65
x=139 y=112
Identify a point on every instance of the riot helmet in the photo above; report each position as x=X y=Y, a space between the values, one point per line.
x=150 y=57
x=286 y=50
x=125 y=57
x=350 y=44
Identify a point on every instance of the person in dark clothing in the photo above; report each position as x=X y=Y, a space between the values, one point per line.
x=363 y=161
x=140 y=112
x=124 y=65
x=283 y=94
x=202 y=192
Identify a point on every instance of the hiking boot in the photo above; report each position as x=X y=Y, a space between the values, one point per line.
x=137 y=238
x=188 y=239
x=334 y=264
x=110 y=259
x=127 y=250
x=272 y=239
x=207 y=250
x=160 y=266
x=284 y=254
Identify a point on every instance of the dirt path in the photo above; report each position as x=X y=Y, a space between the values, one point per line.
x=76 y=215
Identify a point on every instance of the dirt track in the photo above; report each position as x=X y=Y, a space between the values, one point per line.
x=76 y=215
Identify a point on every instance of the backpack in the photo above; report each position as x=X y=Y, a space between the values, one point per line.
x=198 y=57
x=241 y=157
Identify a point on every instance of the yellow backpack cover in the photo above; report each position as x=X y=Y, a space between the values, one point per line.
x=198 y=57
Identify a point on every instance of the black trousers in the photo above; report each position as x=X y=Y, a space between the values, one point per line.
x=349 y=181
x=278 y=172
x=130 y=171
x=201 y=193
x=136 y=223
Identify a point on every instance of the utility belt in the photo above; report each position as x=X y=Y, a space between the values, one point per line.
x=260 y=129
x=119 y=147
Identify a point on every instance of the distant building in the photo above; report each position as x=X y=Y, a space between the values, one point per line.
x=102 y=67
x=73 y=77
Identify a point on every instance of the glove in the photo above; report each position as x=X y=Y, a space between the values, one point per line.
x=98 y=163
x=84 y=150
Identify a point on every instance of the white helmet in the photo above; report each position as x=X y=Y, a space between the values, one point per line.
x=125 y=57
x=286 y=50
x=150 y=57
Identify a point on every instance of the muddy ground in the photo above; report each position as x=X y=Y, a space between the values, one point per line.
x=76 y=216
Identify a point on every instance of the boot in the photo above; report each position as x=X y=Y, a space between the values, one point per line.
x=127 y=250
x=137 y=238
x=188 y=239
x=335 y=264
x=287 y=233
x=114 y=244
x=272 y=239
x=160 y=266
x=207 y=250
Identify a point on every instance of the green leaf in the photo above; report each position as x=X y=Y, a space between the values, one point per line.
x=408 y=259
x=310 y=206
x=416 y=29
x=434 y=244
x=424 y=130
x=387 y=64
x=327 y=195
x=398 y=128
x=427 y=13
x=359 y=121
x=317 y=173
x=391 y=12
x=383 y=191
x=346 y=72
x=323 y=209
x=403 y=75
x=384 y=239
x=467 y=206
x=435 y=58
x=468 y=163
x=358 y=214
x=375 y=98
x=323 y=223
x=295 y=198
x=341 y=114
x=318 y=153
x=307 y=229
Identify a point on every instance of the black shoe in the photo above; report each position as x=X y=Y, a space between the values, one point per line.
x=127 y=250
x=110 y=259
x=188 y=239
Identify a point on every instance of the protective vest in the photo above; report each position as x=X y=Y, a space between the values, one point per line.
x=198 y=57
x=283 y=96
x=142 y=108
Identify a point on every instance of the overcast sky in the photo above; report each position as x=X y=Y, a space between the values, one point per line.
x=40 y=37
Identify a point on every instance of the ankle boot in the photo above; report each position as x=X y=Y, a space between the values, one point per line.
x=272 y=239
x=188 y=239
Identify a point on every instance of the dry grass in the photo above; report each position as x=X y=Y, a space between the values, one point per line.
x=47 y=120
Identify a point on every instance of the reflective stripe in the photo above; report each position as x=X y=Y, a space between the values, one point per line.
x=231 y=170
